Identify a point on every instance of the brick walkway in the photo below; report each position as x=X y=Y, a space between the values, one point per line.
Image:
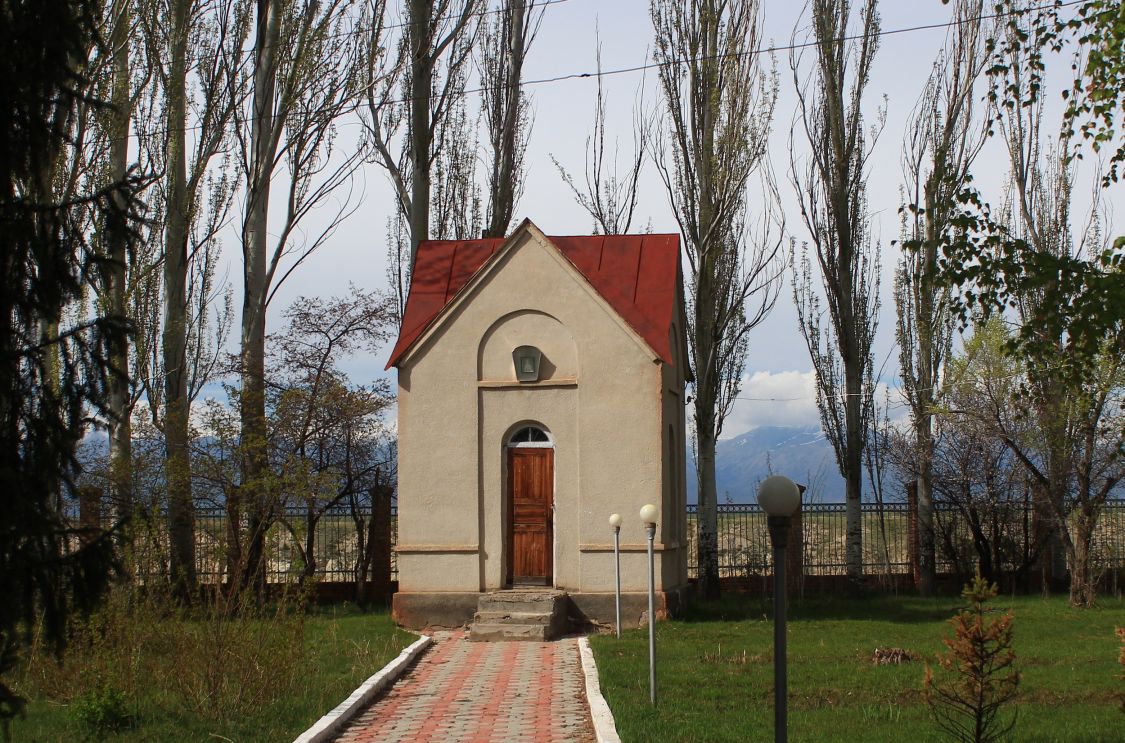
x=482 y=692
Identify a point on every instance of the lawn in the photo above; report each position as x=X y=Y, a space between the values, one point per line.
x=341 y=648
x=715 y=672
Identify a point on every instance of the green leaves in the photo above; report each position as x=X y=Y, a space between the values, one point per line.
x=1079 y=302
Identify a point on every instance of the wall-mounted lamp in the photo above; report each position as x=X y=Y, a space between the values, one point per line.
x=527 y=360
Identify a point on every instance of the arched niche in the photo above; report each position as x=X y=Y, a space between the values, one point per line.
x=527 y=328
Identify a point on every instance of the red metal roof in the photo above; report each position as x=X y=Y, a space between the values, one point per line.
x=638 y=275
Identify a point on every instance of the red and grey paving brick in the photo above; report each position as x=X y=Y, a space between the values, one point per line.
x=482 y=692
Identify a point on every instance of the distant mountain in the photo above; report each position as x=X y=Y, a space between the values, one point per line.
x=801 y=453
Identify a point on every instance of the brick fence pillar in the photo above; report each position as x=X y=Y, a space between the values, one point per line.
x=380 y=536
x=912 y=555
x=89 y=512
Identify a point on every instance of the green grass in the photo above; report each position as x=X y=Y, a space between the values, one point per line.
x=343 y=647
x=715 y=672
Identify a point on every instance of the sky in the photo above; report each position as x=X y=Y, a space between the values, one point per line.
x=778 y=386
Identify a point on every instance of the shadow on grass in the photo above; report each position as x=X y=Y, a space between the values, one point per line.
x=735 y=607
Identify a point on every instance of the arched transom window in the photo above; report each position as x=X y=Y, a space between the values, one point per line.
x=530 y=436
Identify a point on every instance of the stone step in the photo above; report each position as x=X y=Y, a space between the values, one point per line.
x=520 y=601
x=520 y=615
x=483 y=632
x=512 y=617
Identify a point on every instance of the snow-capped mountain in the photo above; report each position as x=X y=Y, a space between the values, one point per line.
x=801 y=453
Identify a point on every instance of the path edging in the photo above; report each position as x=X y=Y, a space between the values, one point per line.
x=329 y=725
x=604 y=726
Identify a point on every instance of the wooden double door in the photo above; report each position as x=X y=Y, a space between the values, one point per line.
x=530 y=497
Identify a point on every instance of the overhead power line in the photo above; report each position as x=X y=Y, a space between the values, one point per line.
x=789 y=47
x=596 y=74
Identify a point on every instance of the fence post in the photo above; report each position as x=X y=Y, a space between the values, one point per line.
x=912 y=532
x=795 y=551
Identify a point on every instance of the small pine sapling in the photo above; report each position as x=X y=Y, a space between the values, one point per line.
x=978 y=678
x=1121 y=660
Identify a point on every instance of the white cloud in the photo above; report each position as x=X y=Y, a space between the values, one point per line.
x=786 y=398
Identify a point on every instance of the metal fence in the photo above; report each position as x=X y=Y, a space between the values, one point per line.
x=744 y=546
x=335 y=545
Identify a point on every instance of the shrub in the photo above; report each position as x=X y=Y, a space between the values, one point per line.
x=978 y=677
x=241 y=660
x=101 y=711
x=225 y=658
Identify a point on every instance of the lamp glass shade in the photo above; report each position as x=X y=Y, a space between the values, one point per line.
x=779 y=496
x=526 y=359
x=648 y=513
x=615 y=520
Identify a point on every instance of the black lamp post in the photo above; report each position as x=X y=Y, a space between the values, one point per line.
x=648 y=518
x=779 y=498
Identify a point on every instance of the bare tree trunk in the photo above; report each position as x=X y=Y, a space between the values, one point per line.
x=312 y=518
x=252 y=398
x=707 y=542
x=421 y=129
x=1083 y=578
x=234 y=543
x=177 y=465
x=705 y=349
x=435 y=33
x=1059 y=473
x=856 y=440
x=364 y=534
x=120 y=428
x=927 y=555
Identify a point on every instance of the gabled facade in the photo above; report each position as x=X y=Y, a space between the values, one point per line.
x=540 y=389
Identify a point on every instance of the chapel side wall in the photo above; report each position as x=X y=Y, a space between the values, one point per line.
x=674 y=471
x=621 y=462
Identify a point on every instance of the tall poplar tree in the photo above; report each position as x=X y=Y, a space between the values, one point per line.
x=832 y=188
x=432 y=57
x=195 y=53
x=507 y=40
x=719 y=103
x=943 y=137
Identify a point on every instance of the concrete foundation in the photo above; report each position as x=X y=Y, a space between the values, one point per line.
x=590 y=610
x=418 y=611
x=585 y=610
